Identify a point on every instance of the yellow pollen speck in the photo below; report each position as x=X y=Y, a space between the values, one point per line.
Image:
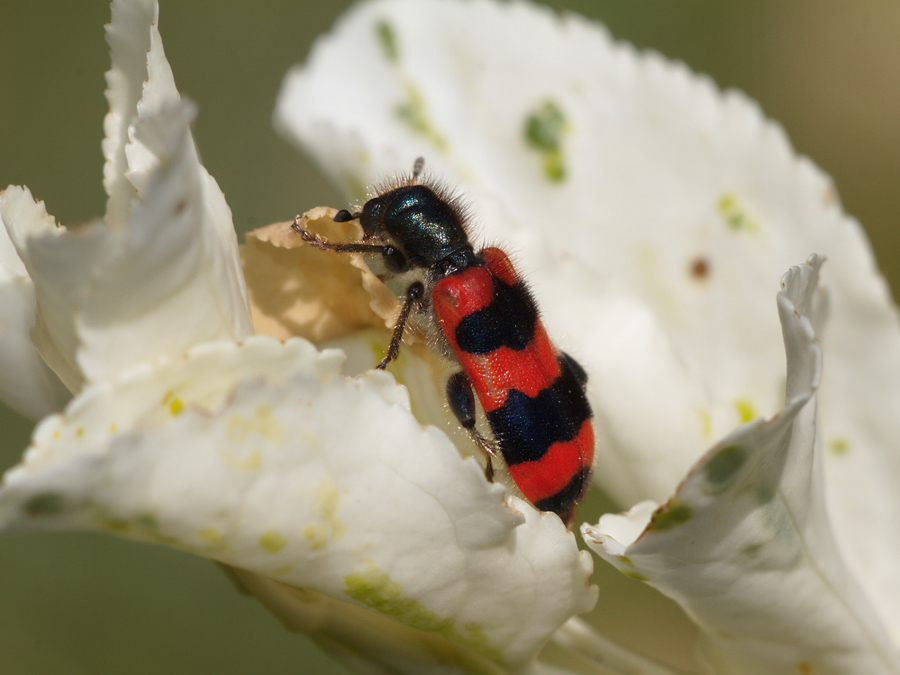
x=176 y=406
x=312 y=439
x=746 y=410
x=735 y=215
x=839 y=445
x=705 y=423
x=112 y=428
x=327 y=499
x=272 y=542
x=316 y=534
x=56 y=435
x=211 y=534
x=79 y=431
x=251 y=462
x=326 y=524
x=262 y=423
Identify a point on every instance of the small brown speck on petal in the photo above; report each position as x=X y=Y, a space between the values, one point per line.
x=699 y=268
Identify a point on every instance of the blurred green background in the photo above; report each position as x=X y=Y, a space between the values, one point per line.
x=827 y=70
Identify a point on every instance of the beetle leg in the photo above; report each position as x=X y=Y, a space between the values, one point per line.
x=413 y=294
x=461 y=400
x=394 y=259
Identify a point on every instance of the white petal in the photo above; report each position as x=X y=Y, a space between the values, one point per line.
x=624 y=346
x=264 y=458
x=859 y=428
x=27 y=385
x=11 y=265
x=21 y=215
x=139 y=67
x=745 y=546
x=112 y=297
x=685 y=196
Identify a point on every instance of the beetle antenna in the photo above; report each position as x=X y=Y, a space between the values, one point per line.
x=417 y=168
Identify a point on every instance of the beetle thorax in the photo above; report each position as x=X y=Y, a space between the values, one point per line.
x=425 y=227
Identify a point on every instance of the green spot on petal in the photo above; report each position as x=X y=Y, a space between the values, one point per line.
x=544 y=130
x=544 y=127
x=316 y=534
x=722 y=467
x=672 y=514
x=326 y=525
x=636 y=575
x=414 y=114
x=44 y=504
x=764 y=494
x=751 y=550
x=555 y=166
x=735 y=215
x=839 y=446
x=387 y=39
x=377 y=347
x=272 y=542
x=373 y=588
x=117 y=526
x=147 y=522
x=144 y=525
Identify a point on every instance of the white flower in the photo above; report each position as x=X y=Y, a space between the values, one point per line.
x=187 y=430
x=665 y=209
x=653 y=217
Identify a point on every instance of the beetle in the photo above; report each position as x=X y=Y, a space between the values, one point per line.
x=532 y=394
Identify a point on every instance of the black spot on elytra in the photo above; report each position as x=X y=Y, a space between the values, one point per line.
x=526 y=427
x=566 y=498
x=508 y=321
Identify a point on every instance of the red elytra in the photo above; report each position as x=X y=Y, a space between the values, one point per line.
x=550 y=452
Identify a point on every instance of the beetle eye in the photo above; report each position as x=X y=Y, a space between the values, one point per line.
x=394 y=260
